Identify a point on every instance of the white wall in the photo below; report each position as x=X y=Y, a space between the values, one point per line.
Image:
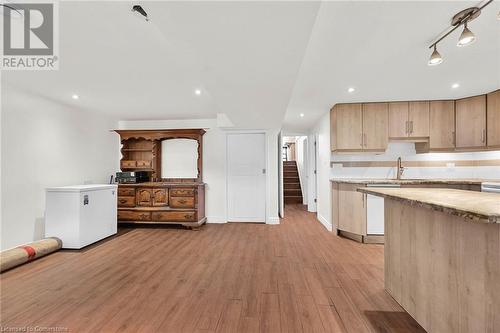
x=323 y=206
x=301 y=157
x=214 y=164
x=47 y=144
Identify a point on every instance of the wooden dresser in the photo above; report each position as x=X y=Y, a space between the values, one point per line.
x=163 y=200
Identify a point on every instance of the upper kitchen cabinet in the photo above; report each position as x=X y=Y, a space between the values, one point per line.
x=346 y=122
x=418 y=119
x=471 y=122
x=493 y=118
x=442 y=125
x=408 y=120
x=375 y=126
x=359 y=127
x=398 y=120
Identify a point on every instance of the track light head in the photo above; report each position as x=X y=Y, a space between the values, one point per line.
x=140 y=11
x=435 y=58
x=466 y=37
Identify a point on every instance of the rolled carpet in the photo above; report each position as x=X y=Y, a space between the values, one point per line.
x=24 y=253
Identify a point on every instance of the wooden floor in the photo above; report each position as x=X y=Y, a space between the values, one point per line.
x=292 y=277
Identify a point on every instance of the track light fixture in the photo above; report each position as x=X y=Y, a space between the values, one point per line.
x=466 y=37
x=140 y=11
x=435 y=58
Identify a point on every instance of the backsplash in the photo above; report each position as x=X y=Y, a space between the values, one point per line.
x=484 y=165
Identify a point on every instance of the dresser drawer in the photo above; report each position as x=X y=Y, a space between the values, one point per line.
x=130 y=215
x=182 y=192
x=128 y=164
x=126 y=191
x=182 y=202
x=144 y=164
x=174 y=216
x=126 y=201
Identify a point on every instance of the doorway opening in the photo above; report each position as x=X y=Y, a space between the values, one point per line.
x=294 y=159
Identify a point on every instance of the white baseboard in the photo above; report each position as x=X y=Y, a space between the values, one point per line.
x=273 y=220
x=324 y=222
x=216 y=219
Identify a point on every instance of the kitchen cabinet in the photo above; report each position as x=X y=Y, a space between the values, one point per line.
x=418 y=119
x=493 y=119
x=375 y=126
x=408 y=120
x=470 y=120
x=346 y=127
x=352 y=209
x=398 y=119
x=442 y=125
x=358 y=216
x=359 y=127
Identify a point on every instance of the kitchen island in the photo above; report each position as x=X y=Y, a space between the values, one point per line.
x=442 y=256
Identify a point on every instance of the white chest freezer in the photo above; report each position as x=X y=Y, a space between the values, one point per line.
x=80 y=215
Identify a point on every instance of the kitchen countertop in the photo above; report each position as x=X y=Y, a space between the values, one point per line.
x=410 y=181
x=477 y=206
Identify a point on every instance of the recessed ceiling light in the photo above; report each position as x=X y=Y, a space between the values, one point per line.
x=351 y=90
x=301 y=115
x=455 y=85
x=197 y=92
x=75 y=96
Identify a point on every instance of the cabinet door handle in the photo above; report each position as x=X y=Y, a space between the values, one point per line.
x=411 y=127
x=363 y=199
x=406 y=127
x=483 y=136
x=182 y=201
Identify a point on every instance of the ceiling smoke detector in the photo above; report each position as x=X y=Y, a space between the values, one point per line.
x=140 y=11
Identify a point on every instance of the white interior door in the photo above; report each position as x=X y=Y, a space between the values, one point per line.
x=246 y=177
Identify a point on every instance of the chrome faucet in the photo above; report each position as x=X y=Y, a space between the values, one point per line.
x=399 y=169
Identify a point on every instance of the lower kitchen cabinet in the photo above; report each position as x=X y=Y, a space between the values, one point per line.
x=352 y=209
x=359 y=216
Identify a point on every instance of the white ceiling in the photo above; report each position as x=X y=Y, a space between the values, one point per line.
x=381 y=49
x=254 y=61
x=244 y=57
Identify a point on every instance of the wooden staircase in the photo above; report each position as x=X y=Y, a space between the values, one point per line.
x=291 y=182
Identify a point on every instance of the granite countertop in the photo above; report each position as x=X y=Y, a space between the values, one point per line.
x=477 y=206
x=410 y=181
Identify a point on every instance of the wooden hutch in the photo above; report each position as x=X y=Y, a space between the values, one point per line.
x=162 y=200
